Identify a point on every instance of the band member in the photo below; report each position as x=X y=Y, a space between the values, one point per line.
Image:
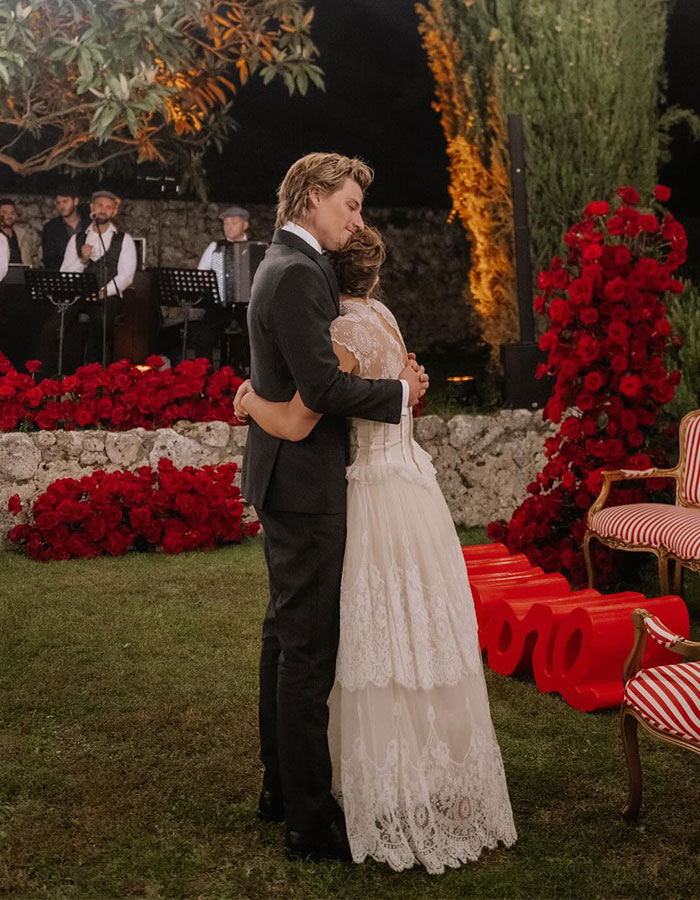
x=234 y=222
x=205 y=333
x=4 y=255
x=17 y=236
x=58 y=231
x=110 y=255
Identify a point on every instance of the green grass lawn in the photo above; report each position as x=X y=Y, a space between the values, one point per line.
x=128 y=755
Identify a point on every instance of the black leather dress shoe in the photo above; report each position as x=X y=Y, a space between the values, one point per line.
x=328 y=843
x=270 y=807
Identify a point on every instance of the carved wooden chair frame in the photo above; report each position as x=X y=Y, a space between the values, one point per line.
x=629 y=717
x=677 y=473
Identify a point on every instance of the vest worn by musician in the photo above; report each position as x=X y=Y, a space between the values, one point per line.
x=107 y=266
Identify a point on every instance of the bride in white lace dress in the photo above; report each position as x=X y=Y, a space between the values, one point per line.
x=416 y=765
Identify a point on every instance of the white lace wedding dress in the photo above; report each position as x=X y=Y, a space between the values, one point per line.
x=416 y=765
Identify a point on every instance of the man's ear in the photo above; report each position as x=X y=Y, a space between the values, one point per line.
x=314 y=198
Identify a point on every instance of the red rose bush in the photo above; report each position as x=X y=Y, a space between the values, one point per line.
x=607 y=347
x=108 y=513
x=118 y=397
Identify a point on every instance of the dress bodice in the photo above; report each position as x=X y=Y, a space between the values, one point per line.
x=371 y=333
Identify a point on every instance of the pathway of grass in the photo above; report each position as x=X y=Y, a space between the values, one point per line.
x=128 y=755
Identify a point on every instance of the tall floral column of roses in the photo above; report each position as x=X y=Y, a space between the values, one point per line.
x=607 y=345
x=108 y=513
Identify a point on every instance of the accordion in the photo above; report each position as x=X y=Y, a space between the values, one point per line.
x=234 y=264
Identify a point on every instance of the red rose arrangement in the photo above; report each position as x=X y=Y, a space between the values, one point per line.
x=108 y=513
x=119 y=397
x=607 y=346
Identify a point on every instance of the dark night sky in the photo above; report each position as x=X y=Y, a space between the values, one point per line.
x=377 y=105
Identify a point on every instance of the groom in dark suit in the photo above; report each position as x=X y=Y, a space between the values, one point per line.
x=299 y=489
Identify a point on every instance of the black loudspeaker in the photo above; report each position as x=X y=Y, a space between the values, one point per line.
x=521 y=390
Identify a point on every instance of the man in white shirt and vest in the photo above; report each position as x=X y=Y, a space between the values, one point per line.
x=108 y=253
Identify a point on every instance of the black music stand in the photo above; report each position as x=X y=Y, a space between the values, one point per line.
x=187 y=288
x=62 y=290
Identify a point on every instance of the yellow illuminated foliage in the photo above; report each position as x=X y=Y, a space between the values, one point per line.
x=479 y=185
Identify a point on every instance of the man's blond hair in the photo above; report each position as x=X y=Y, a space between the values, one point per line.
x=325 y=171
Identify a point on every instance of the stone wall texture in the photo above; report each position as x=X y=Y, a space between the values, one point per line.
x=483 y=462
x=424 y=279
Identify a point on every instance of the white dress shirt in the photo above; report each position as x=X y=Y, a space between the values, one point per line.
x=305 y=235
x=126 y=267
x=4 y=255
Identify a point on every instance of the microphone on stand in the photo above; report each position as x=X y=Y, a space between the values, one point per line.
x=103 y=265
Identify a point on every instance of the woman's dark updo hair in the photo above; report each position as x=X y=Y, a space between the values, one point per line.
x=358 y=263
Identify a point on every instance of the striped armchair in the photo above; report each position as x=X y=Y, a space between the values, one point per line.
x=671 y=532
x=665 y=700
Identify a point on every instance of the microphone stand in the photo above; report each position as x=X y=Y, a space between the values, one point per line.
x=103 y=278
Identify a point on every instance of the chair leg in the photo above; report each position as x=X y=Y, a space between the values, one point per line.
x=663 y=573
x=677 y=577
x=630 y=741
x=587 y=556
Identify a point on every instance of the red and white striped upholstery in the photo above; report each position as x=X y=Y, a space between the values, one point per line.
x=658 y=632
x=675 y=529
x=690 y=488
x=668 y=698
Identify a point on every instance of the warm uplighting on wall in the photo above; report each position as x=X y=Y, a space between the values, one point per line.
x=479 y=190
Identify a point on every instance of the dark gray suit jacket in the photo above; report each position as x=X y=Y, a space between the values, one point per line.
x=294 y=299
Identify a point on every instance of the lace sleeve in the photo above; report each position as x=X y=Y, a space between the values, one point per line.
x=348 y=333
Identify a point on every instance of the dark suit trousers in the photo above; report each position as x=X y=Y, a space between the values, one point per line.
x=304 y=555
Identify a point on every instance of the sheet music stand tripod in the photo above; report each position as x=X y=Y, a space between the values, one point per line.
x=187 y=288
x=62 y=290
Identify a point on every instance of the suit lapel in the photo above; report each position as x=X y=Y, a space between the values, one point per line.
x=292 y=240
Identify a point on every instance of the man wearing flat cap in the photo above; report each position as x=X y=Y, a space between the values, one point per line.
x=218 y=257
x=110 y=255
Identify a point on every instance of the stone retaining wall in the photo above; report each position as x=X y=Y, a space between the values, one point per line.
x=484 y=462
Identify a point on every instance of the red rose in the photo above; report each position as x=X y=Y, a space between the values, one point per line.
x=14 y=504
x=616 y=289
x=649 y=223
x=618 y=332
x=621 y=255
x=588 y=316
x=597 y=208
x=568 y=480
x=630 y=385
x=635 y=438
x=585 y=401
x=592 y=252
x=594 y=381
x=173 y=543
x=615 y=225
x=628 y=195
x=580 y=291
x=662 y=193
x=251 y=529
x=662 y=327
x=32 y=365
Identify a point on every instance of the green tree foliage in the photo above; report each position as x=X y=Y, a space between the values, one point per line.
x=684 y=315
x=83 y=83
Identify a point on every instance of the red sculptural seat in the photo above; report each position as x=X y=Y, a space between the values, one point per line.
x=671 y=532
x=665 y=700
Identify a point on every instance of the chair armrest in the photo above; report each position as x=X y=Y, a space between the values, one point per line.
x=648 y=625
x=633 y=663
x=612 y=475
